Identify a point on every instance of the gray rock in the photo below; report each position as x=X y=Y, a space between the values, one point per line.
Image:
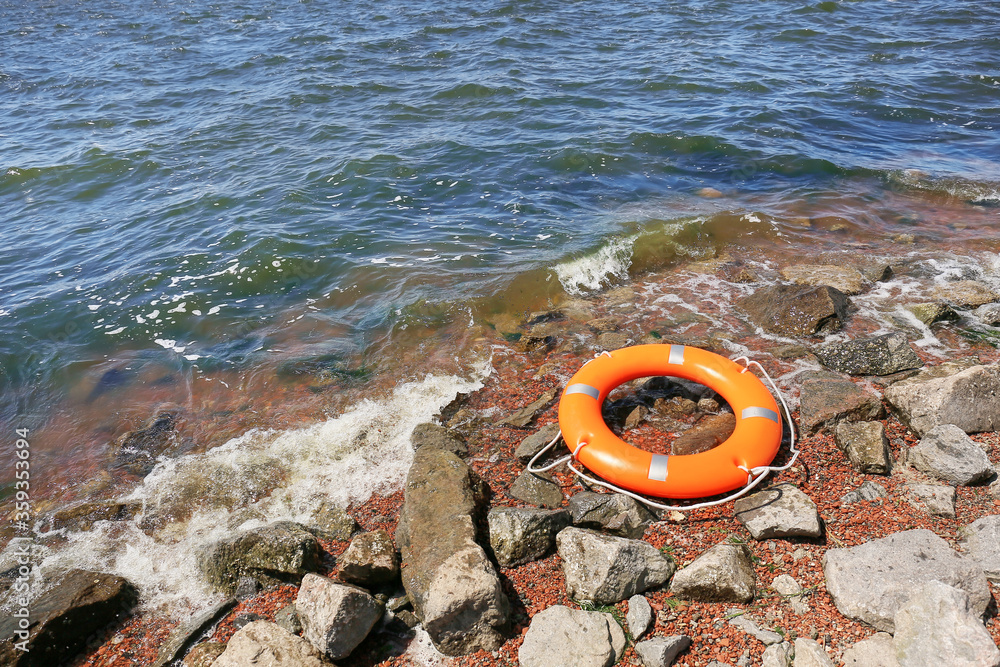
x=188 y=632
x=750 y=626
x=535 y=442
x=724 y=573
x=937 y=626
x=935 y=499
x=876 y=651
x=844 y=278
x=332 y=523
x=265 y=644
x=968 y=398
x=287 y=618
x=335 y=617
x=785 y=586
x=614 y=513
x=989 y=314
x=454 y=588
x=879 y=355
x=520 y=535
x=932 y=312
x=661 y=651
x=981 y=541
x=827 y=401
x=777 y=655
x=792 y=310
x=279 y=553
x=639 y=616
x=537 y=488
x=369 y=561
x=779 y=511
x=605 y=569
x=870 y=582
x=966 y=294
x=63 y=619
x=949 y=454
x=563 y=636
x=868 y=490
x=865 y=445
x=83 y=516
x=808 y=653
x=618 y=639
x=433 y=435
x=527 y=414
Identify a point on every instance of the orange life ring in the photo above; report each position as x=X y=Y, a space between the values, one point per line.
x=724 y=468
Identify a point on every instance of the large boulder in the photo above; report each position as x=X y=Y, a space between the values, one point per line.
x=948 y=453
x=335 y=617
x=455 y=590
x=981 y=541
x=870 y=582
x=969 y=398
x=793 y=310
x=614 y=513
x=279 y=553
x=876 y=651
x=779 y=511
x=61 y=622
x=865 y=445
x=520 y=535
x=724 y=573
x=563 y=636
x=966 y=294
x=827 y=401
x=264 y=644
x=369 y=561
x=604 y=569
x=937 y=626
x=880 y=355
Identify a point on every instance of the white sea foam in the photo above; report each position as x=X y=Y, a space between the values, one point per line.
x=599 y=269
x=263 y=476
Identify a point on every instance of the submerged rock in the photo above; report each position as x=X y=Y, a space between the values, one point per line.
x=844 y=278
x=932 y=312
x=279 y=553
x=949 y=394
x=793 y=310
x=137 y=451
x=604 y=569
x=870 y=582
x=966 y=294
x=879 y=355
x=64 y=619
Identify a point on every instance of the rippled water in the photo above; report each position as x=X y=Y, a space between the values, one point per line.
x=204 y=203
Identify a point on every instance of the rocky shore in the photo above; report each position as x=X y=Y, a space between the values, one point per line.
x=879 y=548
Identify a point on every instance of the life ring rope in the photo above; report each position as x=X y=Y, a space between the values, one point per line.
x=754 y=475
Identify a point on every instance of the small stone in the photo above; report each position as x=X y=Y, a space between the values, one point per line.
x=661 y=651
x=614 y=513
x=636 y=417
x=867 y=491
x=369 y=561
x=288 y=618
x=748 y=625
x=932 y=312
x=639 y=616
x=981 y=541
x=785 y=586
x=246 y=588
x=808 y=653
x=335 y=617
x=724 y=573
x=535 y=442
x=779 y=511
x=876 y=651
x=865 y=445
x=949 y=454
x=527 y=414
x=777 y=655
x=537 y=488
x=935 y=499
x=708 y=405
x=520 y=535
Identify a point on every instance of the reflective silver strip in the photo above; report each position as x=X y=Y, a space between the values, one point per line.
x=658 y=467
x=593 y=392
x=761 y=412
x=676 y=355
